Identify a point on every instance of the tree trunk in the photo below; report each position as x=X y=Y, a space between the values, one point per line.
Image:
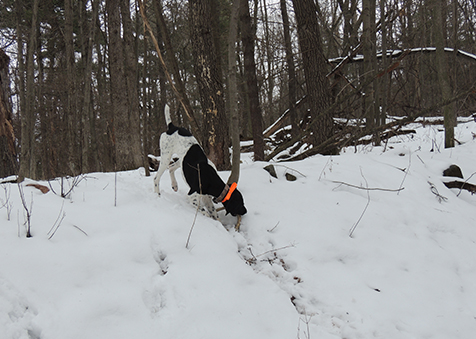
x=233 y=93
x=439 y=25
x=349 y=10
x=291 y=71
x=247 y=39
x=206 y=53
x=384 y=80
x=127 y=150
x=70 y=110
x=130 y=58
x=370 y=65
x=172 y=65
x=315 y=69
x=8 y=165
x=28 y=156
x=270 y=68
x=89 y=154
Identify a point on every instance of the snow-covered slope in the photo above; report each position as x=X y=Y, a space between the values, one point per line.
x=292 y=271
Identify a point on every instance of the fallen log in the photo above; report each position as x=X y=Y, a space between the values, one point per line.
x=461 y=185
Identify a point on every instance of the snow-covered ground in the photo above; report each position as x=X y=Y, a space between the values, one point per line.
x=96 y=270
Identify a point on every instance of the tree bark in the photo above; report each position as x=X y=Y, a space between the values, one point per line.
x=370 y=104
x=439 y=25
x=8 y=165
x=291 y=71
x=89 y=156
x=70 y=111
x=28 y=156
x=130 y=58
x=233 y=93
x=247 y=39
x=206 y=53
x=127 y=150
x=315 y=69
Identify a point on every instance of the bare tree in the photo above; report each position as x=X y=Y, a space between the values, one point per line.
x=252 y=89
x=28 y=156
x=233 y=92
x=208 y=73
x=127 y=149
x=8 y=164
x=439 y=26
x=315 y=69
x=292 y=82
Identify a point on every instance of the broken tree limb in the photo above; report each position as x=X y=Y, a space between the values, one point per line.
x=182 y=98
x=281 y=120
x=398 y=54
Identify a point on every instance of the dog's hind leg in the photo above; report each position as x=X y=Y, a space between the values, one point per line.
x=165 y=156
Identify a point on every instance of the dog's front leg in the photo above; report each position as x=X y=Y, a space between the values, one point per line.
x=172 y=168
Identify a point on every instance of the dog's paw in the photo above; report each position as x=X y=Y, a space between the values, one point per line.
x=157 y=190
x=175 y=188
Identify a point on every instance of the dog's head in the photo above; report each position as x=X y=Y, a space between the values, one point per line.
x=235 y=205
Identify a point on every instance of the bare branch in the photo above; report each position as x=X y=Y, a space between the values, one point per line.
x=365 y=209
x=369 y=188
x=27 y=209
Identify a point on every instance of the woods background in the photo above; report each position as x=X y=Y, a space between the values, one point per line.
x=83 y=89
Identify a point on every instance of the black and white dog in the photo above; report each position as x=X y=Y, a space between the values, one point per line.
x=199 y=173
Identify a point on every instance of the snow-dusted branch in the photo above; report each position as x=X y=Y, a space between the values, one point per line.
x=72 y=182
x=7 y=203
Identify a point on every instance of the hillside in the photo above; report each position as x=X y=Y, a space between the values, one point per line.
x=110 y=261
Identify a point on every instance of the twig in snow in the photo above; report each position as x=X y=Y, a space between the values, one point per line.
x=370 y=188
x=193 y=224
x=73 y=182
x=306 y=320
x=365 y=209
x=27 y=210
x=7 y=204
x=80 y=230
x=273 y=250
x=271 y=230
x=18 y=222
x=322 y=172
x=57 y=223
x=198 y=206
x=466 y=181
x=57 y=227
x=435 y=192
x=115 y=188
x=407 y=170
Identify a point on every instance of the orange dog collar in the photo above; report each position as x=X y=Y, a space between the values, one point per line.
x=230 y=192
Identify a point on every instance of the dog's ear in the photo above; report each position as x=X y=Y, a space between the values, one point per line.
x=235 y=206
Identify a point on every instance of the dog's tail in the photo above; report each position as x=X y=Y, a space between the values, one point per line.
x=168 y=120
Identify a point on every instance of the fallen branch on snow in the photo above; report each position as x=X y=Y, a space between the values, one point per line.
x=369 y=188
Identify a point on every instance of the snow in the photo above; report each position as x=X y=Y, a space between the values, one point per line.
x=292 y=271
